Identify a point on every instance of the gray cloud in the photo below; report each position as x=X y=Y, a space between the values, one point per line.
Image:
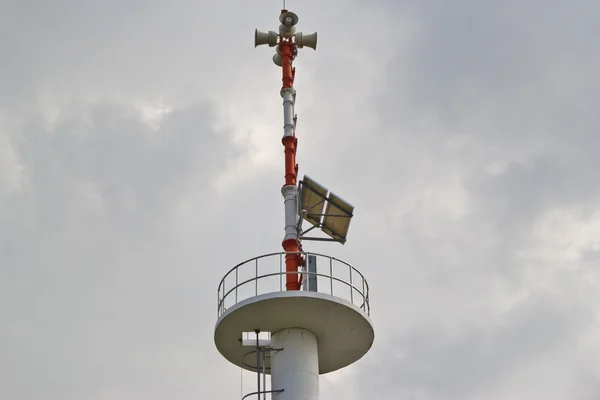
x=89 y=253
x=464 y=134
x=481 y=133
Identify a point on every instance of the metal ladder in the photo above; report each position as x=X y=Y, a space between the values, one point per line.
x=262 y=353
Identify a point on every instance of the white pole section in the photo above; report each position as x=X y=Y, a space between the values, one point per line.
x=290 y=194
x=295 y=369
x=288 y=111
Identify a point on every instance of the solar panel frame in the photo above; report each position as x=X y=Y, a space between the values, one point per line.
x=338 y=214
x=313 y=199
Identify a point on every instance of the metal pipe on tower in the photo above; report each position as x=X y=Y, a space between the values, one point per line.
x=287 y=49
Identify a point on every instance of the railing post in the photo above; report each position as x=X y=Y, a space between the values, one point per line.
x=280 y=272
x=236 y=284
x=351 y=286
x=331 y=274
x=364 y=295
x=368 y=304
x=256 y=279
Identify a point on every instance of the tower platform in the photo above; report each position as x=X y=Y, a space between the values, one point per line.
x=333 y=305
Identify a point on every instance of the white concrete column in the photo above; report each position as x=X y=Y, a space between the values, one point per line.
x=295 y=368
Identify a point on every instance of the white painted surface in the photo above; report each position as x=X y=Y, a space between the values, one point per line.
x=288 y=111
x=345 y=332
x=290 y=195
x=295 y=368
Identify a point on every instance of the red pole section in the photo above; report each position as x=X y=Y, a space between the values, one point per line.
x=286 y=49
x=289 y=142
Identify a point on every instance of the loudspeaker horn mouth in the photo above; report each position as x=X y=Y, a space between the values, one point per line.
x=306 y=40
x=288 y=18
x=269 y=38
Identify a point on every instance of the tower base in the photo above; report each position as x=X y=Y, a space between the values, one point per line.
x=296 y=367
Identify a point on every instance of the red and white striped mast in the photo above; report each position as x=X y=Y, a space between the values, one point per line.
x=311 y=328
x=287 y=49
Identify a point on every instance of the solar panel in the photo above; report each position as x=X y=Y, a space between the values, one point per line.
x=313 y=200
x=324 y=210
x=337 y=217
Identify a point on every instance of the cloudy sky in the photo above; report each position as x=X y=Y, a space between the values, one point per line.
x=140 y=159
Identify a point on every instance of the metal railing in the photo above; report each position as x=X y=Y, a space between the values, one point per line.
x=334 y=277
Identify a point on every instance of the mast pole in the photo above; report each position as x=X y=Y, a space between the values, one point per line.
x=287 y=50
